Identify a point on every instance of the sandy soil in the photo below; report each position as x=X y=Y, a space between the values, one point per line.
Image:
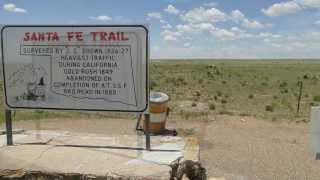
x=237 y=148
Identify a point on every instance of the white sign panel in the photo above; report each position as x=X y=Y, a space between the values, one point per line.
x=98 y=68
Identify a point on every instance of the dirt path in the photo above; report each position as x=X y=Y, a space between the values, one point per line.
x=237 y=148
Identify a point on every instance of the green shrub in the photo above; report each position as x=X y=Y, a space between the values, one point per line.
x=182 y=81
x=316 y=98
x=212 y=106
x=224 y=101
x=250 y=96
x=283 y=84
x=269 y=108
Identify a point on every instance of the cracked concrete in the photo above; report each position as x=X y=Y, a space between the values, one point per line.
x=94 y=154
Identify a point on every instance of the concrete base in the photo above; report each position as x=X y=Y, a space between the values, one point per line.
x=64 y=155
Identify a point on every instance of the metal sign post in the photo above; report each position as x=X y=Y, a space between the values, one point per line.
x=146 y=129
x=8 y=127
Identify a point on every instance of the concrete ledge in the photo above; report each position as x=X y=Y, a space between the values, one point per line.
x=62 y=155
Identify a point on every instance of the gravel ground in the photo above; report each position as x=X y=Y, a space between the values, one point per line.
x=236 y=148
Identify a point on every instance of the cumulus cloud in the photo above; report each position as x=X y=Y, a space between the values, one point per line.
x=171 y=36
x=167 y=26
x=200 y=15
x=172 y=10
x=101 y=18
x=282 y=8
x=240 y=18
x=154 y=15
x=213 y=15
x=195 y=28
x=290 y=7
x=310 y=3
x=13 y=8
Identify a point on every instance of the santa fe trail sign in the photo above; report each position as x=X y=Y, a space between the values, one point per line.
x=93 y=68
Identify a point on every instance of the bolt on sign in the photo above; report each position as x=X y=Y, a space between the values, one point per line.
x=94 y=68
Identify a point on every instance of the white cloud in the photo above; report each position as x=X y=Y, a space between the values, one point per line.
x=262 y=45
x=223 y=34
x=317 y=22
x=195 y=28
x=162 y=21
x=282 y=8
x=213 y=15
x=154 y=15
x=172 y=10
x=289 y=7
x=298 y=45
x=210 y=4
x=101 y=18
x=13 y=8
x=167 y=26
x=200 y=15
x=238 y=17
x=311 y=3
x=171 y=36
x=269 y=35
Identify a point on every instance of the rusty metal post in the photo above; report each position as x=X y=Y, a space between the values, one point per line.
x=8 y=127
x=146 y=131
x=300 y=83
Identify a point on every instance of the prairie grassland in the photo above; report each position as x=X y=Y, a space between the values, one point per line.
x=267 y=89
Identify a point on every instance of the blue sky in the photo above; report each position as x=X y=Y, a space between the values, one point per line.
x=189 y=28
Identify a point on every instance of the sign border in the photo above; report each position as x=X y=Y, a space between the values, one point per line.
x=70 y=109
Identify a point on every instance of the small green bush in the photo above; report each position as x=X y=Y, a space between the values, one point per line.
x=283 y=84
x=269 y=108
x=250 y=96
x=316 y=98
x=224 y=101
x=212 y=106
